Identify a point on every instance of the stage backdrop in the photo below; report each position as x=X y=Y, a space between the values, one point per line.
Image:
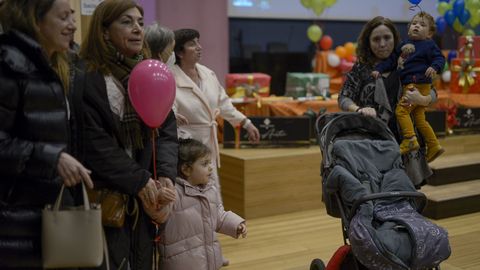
x=344 y=10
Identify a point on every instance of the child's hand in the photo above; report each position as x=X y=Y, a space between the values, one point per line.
x=431 y=72
x=242 y=230
x=375 y=74
x=166 y=191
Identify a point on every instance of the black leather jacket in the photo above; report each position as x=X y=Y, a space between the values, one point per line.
x=34 y=126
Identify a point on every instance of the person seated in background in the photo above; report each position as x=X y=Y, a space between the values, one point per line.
x=189 y=240
x=418 y=60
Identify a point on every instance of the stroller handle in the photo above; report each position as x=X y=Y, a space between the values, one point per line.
x=422 y=199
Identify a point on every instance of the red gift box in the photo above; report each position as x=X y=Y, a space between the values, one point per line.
x=476 y=47
x=248 y=84
x=468 y=72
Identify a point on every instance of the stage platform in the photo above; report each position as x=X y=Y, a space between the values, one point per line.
x=265 y=182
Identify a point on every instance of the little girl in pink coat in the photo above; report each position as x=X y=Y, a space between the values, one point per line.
x=189 y=239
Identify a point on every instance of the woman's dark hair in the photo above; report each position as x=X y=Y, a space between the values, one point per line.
x=364 y=52
x=183 y=36
x=189 y=151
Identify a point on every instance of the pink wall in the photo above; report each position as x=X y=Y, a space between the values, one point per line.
x=210 y=18
x=149 y=10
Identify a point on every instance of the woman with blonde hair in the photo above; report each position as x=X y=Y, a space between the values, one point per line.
x=37 y=119
x=119 y=149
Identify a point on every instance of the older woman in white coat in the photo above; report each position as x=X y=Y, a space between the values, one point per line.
x=200 y=98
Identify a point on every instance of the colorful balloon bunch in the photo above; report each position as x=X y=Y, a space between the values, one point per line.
x=462 y=15
x=318 y=6
x=343 y=57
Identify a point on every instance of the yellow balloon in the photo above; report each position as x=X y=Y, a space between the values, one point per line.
x=318 y=6
x=314 y=33
x=306 y=3
x=475 y=18
x=329 y=3
x=457 y=26
x=442 y=7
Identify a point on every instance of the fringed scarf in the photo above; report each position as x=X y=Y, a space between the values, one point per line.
x=131 y=127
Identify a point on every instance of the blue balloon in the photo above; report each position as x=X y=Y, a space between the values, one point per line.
x=415 y=2
x=441 y=25
x=464 y=17
x=450 y=17
x=451 y=54
x=458 y=7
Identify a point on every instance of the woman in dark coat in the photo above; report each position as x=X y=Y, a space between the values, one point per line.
x=36 y=117
x=118 y=144
x=378 y=98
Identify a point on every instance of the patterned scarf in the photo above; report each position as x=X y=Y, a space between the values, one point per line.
x=131 y=127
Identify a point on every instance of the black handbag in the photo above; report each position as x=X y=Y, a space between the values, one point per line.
x=20 y=236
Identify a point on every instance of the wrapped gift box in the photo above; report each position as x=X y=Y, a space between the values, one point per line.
x=476 y=46
x=307 y=85
x=461 y=72
x=246 y=84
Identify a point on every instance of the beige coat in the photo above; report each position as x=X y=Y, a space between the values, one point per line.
x=189 y=239
x=202 y=105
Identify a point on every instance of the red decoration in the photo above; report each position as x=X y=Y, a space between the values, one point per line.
x=326 y=42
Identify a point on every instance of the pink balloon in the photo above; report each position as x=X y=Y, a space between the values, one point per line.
x=345 y=66
x=151 y=88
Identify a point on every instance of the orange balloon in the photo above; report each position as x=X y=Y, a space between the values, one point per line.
x=350 y=48
x=341 y=51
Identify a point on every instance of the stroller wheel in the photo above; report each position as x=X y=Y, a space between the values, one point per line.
x=317 y=264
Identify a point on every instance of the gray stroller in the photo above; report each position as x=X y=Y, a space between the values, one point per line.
x=364 y=183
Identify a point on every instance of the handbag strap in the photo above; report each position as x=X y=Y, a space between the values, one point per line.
x=86 y=202
x=105 y=251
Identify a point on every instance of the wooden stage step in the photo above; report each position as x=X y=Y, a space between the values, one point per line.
x=452 y=199
x=455 y=168
x=454 y=187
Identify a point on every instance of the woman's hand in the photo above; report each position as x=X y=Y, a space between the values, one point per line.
x=72 y=171
x=148 y=194
x=430 y=72
x=253 y=133
x=181 y=120
x=413 y=97
x=166 y=191
x=242 y=230
x=368 y=111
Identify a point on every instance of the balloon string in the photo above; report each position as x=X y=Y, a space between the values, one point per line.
x=412 y=8
x=154 y=155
